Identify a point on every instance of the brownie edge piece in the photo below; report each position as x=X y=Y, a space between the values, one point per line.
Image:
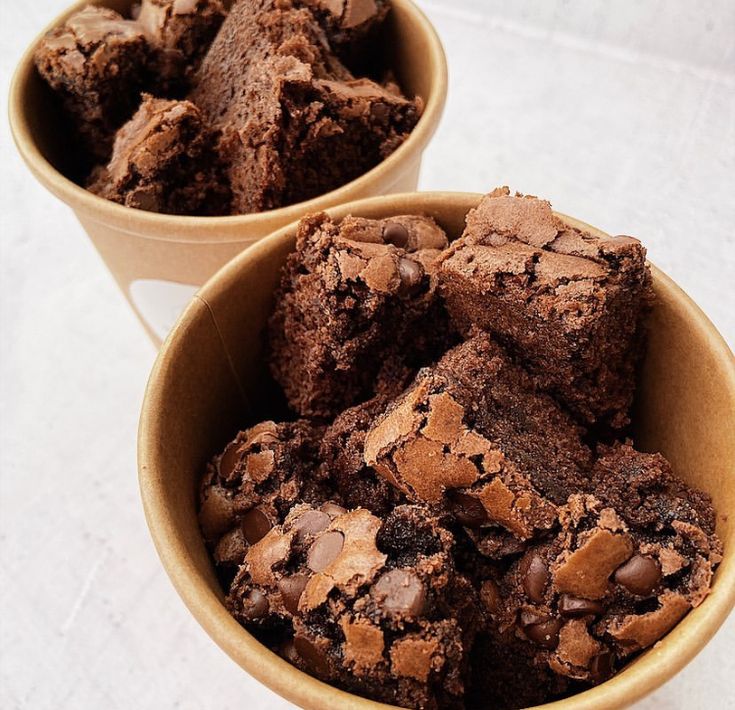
x=570 y=304
x=164 y=161
x=95 y=62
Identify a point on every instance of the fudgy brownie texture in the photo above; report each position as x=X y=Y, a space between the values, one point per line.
x=471 y=436
x=96 y=63
x=179 y=33
x=294 y=121
x=375 y=606
x=164 y=160
x=342 y=460
x=602 y=588
x=570 y=304
x=443 y=531
x=357 y=310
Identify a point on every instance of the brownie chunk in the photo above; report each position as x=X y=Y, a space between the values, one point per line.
x=254 y=483
x=355 y=314
x=602 y=589
x=179 y=33
x=472 y=436
x=568 y=303
x=376 y=607
x=164 y=161
x=96 y=63
x=284 y=102
x=342 y=460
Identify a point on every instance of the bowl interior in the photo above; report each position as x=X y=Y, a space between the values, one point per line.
x=210 y=380
x=404 y=40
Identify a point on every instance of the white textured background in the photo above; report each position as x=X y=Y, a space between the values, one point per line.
x=623 y=114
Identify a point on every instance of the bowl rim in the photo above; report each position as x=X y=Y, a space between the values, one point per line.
x=190 y=228
x=648 y=672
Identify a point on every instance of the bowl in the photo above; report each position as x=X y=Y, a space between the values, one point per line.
x=210 y=380
x=159 y=260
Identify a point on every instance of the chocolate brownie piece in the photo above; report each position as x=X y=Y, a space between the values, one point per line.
x=601 y=589
x=283 y=101
x=355 y=313
x=164 y=161
x=179 y=33
x=96 y=63
x=254 y=483
x=472 y=436
x=342 y=460
x=376 y=607
x=569 y=303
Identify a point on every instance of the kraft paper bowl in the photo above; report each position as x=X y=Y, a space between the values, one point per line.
x=159 y=260
x=210 y=380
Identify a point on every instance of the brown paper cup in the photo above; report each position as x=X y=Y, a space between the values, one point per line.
x=159 y=260
x=210 y=380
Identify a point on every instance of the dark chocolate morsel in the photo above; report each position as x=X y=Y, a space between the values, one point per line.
x=395 y=234
x=255 y=604
x=544 y=633
x=255 y=525
x=575 y=608
x=601 y=666
x=324 y=550
x=310 y=523
x=534 y=577
x=291 y=589
x=467 y=509
x=230 y=459
x=400 y=591
x=640 y=575
x=411 y=275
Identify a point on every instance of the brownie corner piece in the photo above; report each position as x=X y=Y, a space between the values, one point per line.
x=95 y=62
x=569 y=303
x=355 y=314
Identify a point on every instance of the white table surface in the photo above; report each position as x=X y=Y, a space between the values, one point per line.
x=622 y=114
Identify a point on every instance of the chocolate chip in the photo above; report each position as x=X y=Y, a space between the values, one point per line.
x=534 y=577
x=640 y=575
x=401 y=592
x=255 y=525
x=255 y=604
x=395 y=234
x=291 y=589
x=411 y=275
x=601 y=666
x=324 y=550
x=311 y=654
x=544 y=633
x=333 y=510
x=217 y=514
x=490 y=595
x=230 y=459
x=288 y=650
x=575 y=608
x=467 y=509
x=310 y=523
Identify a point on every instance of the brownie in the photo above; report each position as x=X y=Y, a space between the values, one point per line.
x=179 y=33
x=95 y=62
x=473 y=437
x=295 y=123
x=253 y=484
x=341 y=454
x=373 y=606
x=163 y=160
x=570 y=304
x=601 y=589
x=357 y=311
